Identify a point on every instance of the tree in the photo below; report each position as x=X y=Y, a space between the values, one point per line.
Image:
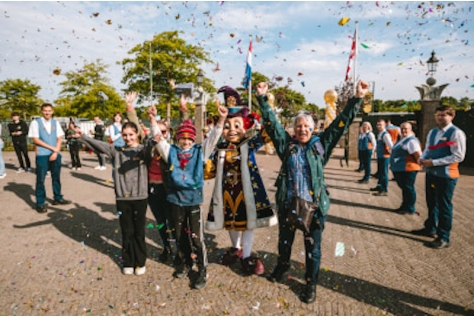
x=173 y=61
x=80 y=94
x=19 y=96
x=288 y=99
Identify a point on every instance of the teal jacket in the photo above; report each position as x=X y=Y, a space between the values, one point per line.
x=317 y=154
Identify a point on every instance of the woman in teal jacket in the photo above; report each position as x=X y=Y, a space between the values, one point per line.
x=303 y=158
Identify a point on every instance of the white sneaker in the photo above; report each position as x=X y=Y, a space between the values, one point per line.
x=98 y=167
x=78 y=169
x=3 y=176
x=103 y=168
x=20 y=170
x=127 y=270
x=73 y=168
x=28 y=170
x=48 y=174
x=140 y=271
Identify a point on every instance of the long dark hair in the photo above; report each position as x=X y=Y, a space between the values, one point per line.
x=131 y=125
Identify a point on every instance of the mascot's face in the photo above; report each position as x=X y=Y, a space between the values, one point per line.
x=234 y=129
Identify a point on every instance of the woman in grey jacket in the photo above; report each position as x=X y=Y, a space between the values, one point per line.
x=131 y=192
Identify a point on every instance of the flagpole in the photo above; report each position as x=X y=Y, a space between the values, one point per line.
x=355 y=57
x=151 y=79
x=250 y=82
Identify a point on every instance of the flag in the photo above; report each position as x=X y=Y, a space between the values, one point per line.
x=352 y=55
x=248 y=68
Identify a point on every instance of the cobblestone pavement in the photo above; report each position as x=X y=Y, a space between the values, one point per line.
x=67 y=261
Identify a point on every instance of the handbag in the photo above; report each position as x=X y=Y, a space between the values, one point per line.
x=301 y=213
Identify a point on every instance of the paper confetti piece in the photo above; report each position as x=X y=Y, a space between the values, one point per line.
x=365 y=46
x=343 y=21
x=339 y=249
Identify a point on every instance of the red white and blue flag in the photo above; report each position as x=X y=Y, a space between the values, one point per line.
x=248 y=68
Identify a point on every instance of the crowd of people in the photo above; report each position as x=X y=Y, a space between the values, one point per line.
x=150 y=169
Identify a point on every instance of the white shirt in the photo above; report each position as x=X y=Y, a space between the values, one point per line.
x=458 y=151
x=34 y=129
x=111 y=131
x=413 y=146
x=387 y=139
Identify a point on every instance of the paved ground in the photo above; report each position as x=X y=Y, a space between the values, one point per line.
x=66 y=262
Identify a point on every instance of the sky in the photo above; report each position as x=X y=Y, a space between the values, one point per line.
x=296 y=40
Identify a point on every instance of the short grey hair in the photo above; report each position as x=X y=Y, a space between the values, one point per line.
x=306 y=116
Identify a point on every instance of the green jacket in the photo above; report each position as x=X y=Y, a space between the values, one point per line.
x=317 y=154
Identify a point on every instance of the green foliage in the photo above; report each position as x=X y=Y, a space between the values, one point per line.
x=288 y=99
x=79 y=96
x=20 y=96
x=173 y=62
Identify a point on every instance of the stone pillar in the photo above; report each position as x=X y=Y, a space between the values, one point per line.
x=430 y=100
x=353 y=131
x=427 y=119
x=199 y=121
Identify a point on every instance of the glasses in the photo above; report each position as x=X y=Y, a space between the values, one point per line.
x=164 y=132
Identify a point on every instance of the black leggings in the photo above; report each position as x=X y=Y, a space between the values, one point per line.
x=74 y=151
x=132 y=222
x=189 y=231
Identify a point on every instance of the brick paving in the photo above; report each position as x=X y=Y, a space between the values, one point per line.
x=67 y=261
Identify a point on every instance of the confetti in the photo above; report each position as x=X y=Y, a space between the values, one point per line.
x=343 y=21
x=339 y=249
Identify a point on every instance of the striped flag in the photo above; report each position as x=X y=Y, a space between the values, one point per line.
x=248 y=68
x=352 y=55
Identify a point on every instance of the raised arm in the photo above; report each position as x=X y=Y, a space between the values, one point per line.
x=132 y=114
x=210 y=142
x=275 y=130
x=332 y=134
x=99 y=146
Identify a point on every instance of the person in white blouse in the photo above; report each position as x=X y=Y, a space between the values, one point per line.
x=47 y=135
x=114 y=131
x=405 y=167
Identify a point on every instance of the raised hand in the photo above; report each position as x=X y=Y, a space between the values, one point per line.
x=182 y=103
x=262 y=88
x=152 y=112
x=130 y=97
x=362 y=88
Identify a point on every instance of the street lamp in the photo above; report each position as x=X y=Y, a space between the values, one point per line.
x=200 y=78
x=103 y=97
x=432 y=63
x=200 y=107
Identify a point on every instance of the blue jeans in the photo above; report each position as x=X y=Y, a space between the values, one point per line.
x=439 y=195
x=312 y=245
x=160 y=208
x=365 y=160
x=382 y=168
x=361 y=162
x=406 y=181
x=42 y=166
x=2 y=162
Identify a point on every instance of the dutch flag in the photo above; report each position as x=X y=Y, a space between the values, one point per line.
x=248 y=68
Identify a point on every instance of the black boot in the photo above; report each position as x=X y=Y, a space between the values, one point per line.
x=181 y=271
x=201 y=279
x=164 y=255
x=310 y=294
x=279 y=273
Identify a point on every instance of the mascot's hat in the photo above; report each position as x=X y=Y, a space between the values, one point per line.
x=233 y=102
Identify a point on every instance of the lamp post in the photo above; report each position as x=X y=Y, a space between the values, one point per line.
x=103 y=97
x=430 y=97
x=200 y=107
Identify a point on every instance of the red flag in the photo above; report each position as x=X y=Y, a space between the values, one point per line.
x=352 y=55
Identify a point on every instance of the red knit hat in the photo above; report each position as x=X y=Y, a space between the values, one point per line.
x=186 y=130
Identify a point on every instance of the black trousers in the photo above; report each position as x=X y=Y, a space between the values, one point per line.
x=132 y=222
x=189 y=234
x=74 y=151
x=21 y=149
